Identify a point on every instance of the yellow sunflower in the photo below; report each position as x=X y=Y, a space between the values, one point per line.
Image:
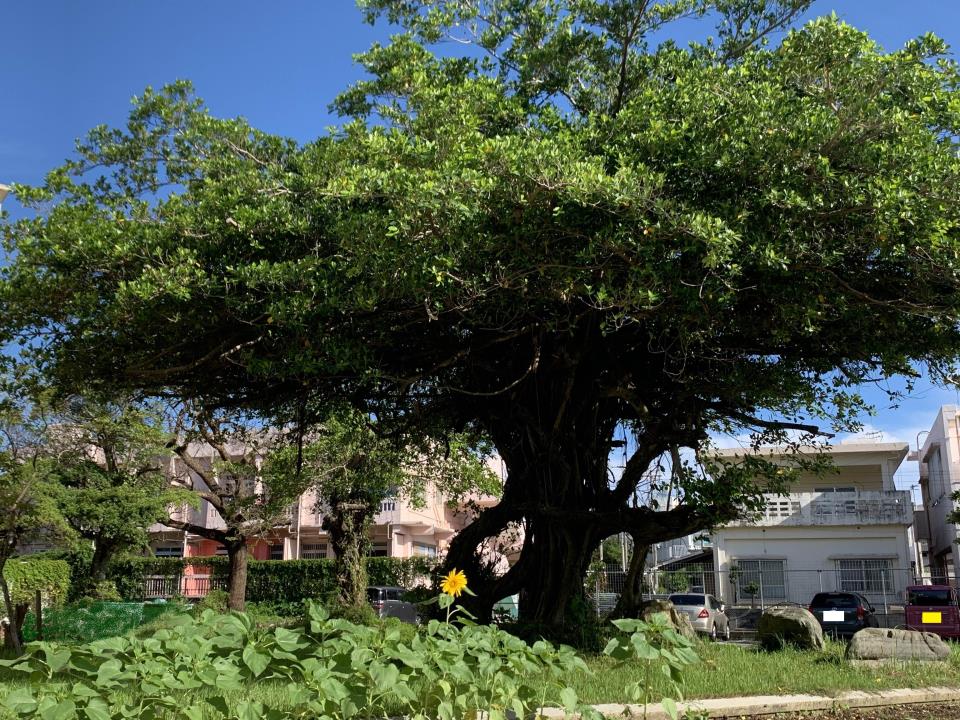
x=454 y=583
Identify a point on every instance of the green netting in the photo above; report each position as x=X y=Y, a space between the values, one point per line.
x=92 y=622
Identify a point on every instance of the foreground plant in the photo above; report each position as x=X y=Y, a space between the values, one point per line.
x=659 y=648
x=331 y=669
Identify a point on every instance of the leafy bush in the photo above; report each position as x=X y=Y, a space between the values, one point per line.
x=216 y=600
x=363 y=615
x=106 y=591
x=27 y=575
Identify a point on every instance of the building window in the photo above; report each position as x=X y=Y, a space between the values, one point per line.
x=276 y=552
x=377 y=549
x=424 y=550
x=313 y=551
x=168 y=551
x=865 y=576
x=767 y=576
x=220 y=551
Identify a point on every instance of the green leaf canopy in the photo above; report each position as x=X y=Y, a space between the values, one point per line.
x=582 y=230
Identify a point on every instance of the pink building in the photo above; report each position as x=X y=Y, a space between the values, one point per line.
x=400 y=529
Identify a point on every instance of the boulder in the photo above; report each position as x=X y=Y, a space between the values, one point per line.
x=678 y=619
x=890 y=644
x=789 y=625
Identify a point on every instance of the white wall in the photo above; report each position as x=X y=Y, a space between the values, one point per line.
x=807 y=550
x=940 y=462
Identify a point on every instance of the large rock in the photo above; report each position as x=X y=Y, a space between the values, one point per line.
x=888 y=644
x=788 y=625
x=678 y=619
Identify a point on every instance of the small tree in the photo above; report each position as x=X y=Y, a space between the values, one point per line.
x=219 y=457
x=354 y=469
x=752 y=589
x=111 y=481
x=27 y=484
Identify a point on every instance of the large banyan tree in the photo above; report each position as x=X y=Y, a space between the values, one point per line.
x=574 y=229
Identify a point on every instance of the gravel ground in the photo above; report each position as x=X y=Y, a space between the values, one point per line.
x=925 y=711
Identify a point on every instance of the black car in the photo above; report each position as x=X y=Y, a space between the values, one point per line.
x=841 y=614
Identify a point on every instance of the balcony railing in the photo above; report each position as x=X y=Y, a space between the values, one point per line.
x=870 y=507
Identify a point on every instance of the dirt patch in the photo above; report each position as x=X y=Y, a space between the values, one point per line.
x=923 y=711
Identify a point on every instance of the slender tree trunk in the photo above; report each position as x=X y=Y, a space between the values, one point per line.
x=348 y=524
x=13 y=630
x=631 y=598
x=237 y=578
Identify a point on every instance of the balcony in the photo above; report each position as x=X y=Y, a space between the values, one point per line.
x=870 y=507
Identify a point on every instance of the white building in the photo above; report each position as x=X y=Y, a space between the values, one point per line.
x=848 y=529
x=939 y=459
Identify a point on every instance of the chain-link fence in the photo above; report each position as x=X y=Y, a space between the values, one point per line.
x=756 y=585
x=81 y=624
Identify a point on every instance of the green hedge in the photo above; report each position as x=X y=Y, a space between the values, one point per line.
x=26 y=575
x=270 y=581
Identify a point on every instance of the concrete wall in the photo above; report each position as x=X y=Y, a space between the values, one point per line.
x=939 y=477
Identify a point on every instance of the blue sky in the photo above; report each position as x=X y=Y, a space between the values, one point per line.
x=68 y=65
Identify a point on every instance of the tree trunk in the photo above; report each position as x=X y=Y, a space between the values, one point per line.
x=102 y=554
x=237 y=578
x=631 y=597
x=13 y=630
x=348 y=523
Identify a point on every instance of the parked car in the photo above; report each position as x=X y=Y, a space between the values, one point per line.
x=841 y=614
x=386 y=602
x=707 y=614
x=933 y=608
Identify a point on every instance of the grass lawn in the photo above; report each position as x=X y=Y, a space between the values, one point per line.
x=730 y=670
x=724 y=670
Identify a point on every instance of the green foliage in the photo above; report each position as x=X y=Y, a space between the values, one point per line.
x=108 y=468
x=332 y=669
x=288 y=582
x=215 y=600
x=357 y=614
x=106 y=590
x=94 y=621
x=591 y=228
x=26 y=575
x=660 y=649
x=676 y=581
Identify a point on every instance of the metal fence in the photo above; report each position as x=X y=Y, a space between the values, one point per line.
x=760 y=584
x=192 y=586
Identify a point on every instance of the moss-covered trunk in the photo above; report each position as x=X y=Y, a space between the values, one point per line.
x=348 y=523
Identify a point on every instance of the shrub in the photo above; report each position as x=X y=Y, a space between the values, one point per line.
x=106 y=590
x=216 y=600
x=27 y=575
x=363 y=615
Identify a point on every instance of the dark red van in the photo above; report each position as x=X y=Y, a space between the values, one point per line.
x=933 y=608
